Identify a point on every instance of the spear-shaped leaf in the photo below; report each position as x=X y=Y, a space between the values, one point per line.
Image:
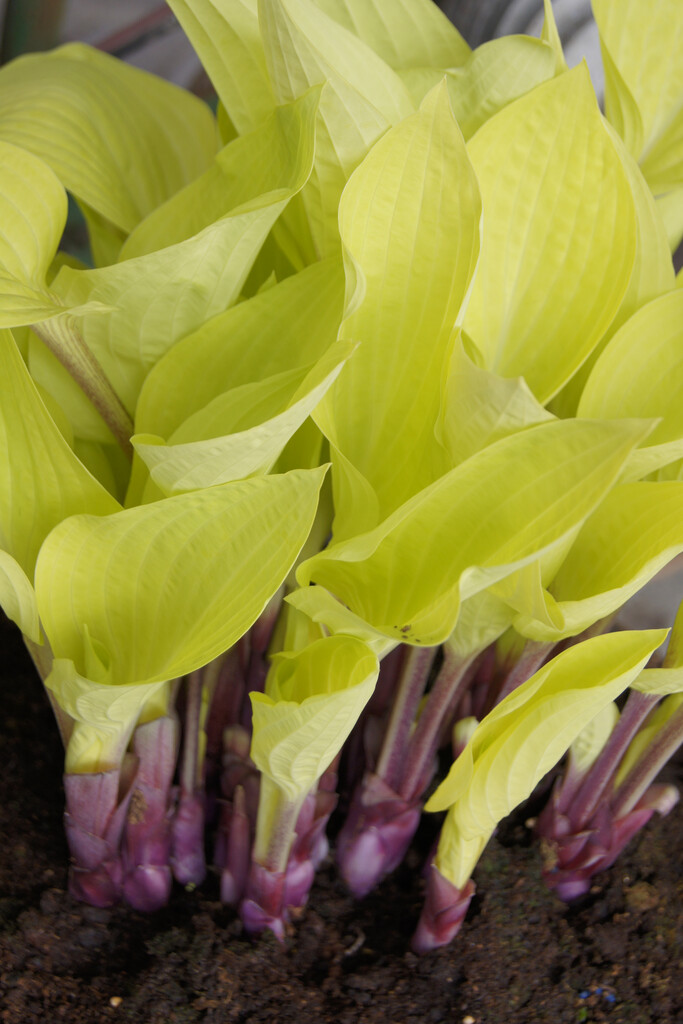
x=409 y=220
x=363 y=97
x=226 y=35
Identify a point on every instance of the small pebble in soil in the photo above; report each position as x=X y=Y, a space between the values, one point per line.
x=115 y=1001
x=468 y=1019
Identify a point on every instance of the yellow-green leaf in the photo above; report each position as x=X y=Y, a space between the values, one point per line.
x=559 y=235
x=18 y=598
x=104 y=716
x=280 y=330
x=525 y=735
x=230 y=446
x=404 y=33
x=362 y=98
x=41 y=480
x=495 y=74
x=635 y=532
x=226 y=35
x=313 y=699
x=480 y=407
x=640 y=372
x=157 y=299
x=164 y=588
x=319 y=605
x=266 y=160
x=501 y=509
x=409 y=220
x=119 y=139
x=642 y=44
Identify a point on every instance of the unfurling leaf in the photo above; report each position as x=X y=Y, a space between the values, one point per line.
x=313 y=699
x=525 y=735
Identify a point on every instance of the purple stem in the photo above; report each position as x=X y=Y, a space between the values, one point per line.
x=443 y=913
x=600 y=775
x=187 y=830
x=236 y=849
x=240 y=784
x=363 y=746
x=530 y=660
x=415 y=672
x=147 y=838
x=258 y=639
x=225 y=705
x=664 y=745
x=375 y=835
x=424 y=742
x=95 y=815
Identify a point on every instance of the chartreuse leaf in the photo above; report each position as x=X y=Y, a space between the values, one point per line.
x=231 y=438
x=551 y=36
x=261 y=162
x=483 y=619
x=542 y=299
x=652 y=275
x=525 y=735
x=226 y=35
x=103 y=716
x=635 y=379
x=670 y=207
x=17 y=597
x=119 y=139
x=653 y=270
x=319 y=605
x=285 y=328
x=643 y=46
x=294 y=630
x=501 y=509
x=404 y=33
x=665 y=680
x=669 y=678
x=164 y=588
x=157 y=299
x=33 y=210
x=480 y=407
x=621 y=108
x=495 y=74
x=362 y=98
x=41 y=480
x=409 y=221
x=313 y=699
x=661 y=681
x=591 y=740
x=634 y=532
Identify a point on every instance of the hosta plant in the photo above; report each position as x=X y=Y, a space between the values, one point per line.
x=338 y=461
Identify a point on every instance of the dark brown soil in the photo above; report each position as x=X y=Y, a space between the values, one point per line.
x=522 y=957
